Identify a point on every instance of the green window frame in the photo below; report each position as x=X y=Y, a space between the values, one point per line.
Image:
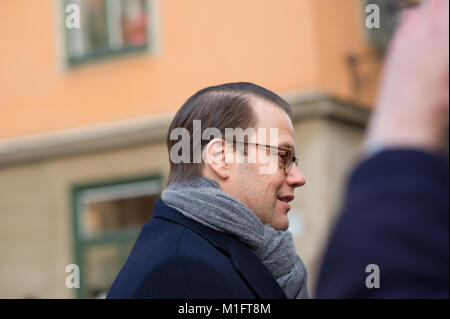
x=112 y=50
x=121 y=240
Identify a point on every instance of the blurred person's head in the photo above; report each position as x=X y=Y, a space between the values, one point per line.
x=248 y=108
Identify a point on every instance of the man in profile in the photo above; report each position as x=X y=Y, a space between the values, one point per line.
x=219 y=230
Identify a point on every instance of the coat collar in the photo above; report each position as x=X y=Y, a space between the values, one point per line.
x=249 y=267
x=217 y=239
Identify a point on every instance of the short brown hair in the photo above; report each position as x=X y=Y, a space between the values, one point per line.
x=221 y=106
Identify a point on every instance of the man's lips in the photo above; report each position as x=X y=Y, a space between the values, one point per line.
x=285 y=199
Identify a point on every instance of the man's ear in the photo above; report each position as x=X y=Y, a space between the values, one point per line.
x=214 y=158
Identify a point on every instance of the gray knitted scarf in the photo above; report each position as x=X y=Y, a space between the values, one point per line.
x=202 y=200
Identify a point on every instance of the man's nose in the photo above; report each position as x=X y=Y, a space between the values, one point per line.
x=295 y=178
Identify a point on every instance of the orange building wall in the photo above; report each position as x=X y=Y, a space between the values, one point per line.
x=339 y=32
x=282 y=45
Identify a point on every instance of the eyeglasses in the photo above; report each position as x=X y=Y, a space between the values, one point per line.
x=286 y=154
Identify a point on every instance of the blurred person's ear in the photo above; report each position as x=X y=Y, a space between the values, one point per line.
x=214 y=157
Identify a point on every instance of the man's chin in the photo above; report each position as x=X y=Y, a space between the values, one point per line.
x=282 y=224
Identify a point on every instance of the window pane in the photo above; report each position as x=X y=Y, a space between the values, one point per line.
x=92 y=35
x=116 y=207
x=96 y=31
x=107 y=27
x=134 y=22
x=102 y=264
x=118 y=214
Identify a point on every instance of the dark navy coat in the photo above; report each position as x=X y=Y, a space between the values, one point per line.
x=176 y=257
x=396 y=215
